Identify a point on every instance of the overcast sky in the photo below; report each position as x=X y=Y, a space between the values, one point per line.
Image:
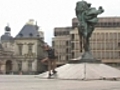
x=48 y=13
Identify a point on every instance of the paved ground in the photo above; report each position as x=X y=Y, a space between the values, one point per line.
x=25 y=82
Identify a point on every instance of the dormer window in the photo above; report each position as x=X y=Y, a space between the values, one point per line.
x=31 y=34
x=38 y=35
x=21 y=34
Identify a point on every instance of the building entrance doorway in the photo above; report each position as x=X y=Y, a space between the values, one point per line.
x=8 y=67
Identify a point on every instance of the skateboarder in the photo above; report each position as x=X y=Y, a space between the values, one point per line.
x=51 y=59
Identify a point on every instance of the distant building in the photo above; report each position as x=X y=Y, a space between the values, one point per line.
x=105 y=40
x=23 y=52
x=61 y=43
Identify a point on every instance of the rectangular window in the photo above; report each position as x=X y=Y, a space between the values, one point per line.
x=118 y=44
x=119 y=53
x=20 y=46
x=73 y=54
x=30 y=47
x=29 y=65
x=67 y=50
x=72 y=46
x=20 y=65
x=67 y=57
x=72 y=36
x=67 y=43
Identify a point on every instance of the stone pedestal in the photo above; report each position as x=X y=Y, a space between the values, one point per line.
x=84 y=71
x=85 y=68
x=86 y=57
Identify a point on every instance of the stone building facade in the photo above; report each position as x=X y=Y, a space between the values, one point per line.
x=22 y=54
x=105 y=40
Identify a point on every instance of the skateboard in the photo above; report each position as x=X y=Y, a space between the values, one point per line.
x=53 y=76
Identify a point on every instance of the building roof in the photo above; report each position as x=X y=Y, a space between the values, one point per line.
x=7 y=36
x=102 y=22
x=28 y=31
x=102 y=19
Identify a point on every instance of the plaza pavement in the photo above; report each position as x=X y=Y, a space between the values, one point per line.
x=30 y=82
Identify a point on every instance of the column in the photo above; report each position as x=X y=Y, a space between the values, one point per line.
x=14 y=66
x=24 y=66
x=3 y=68
x=34 y=65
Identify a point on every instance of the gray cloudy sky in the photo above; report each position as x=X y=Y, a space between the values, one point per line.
x=48 y=13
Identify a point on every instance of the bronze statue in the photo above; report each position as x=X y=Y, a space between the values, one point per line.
x=87 y=17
